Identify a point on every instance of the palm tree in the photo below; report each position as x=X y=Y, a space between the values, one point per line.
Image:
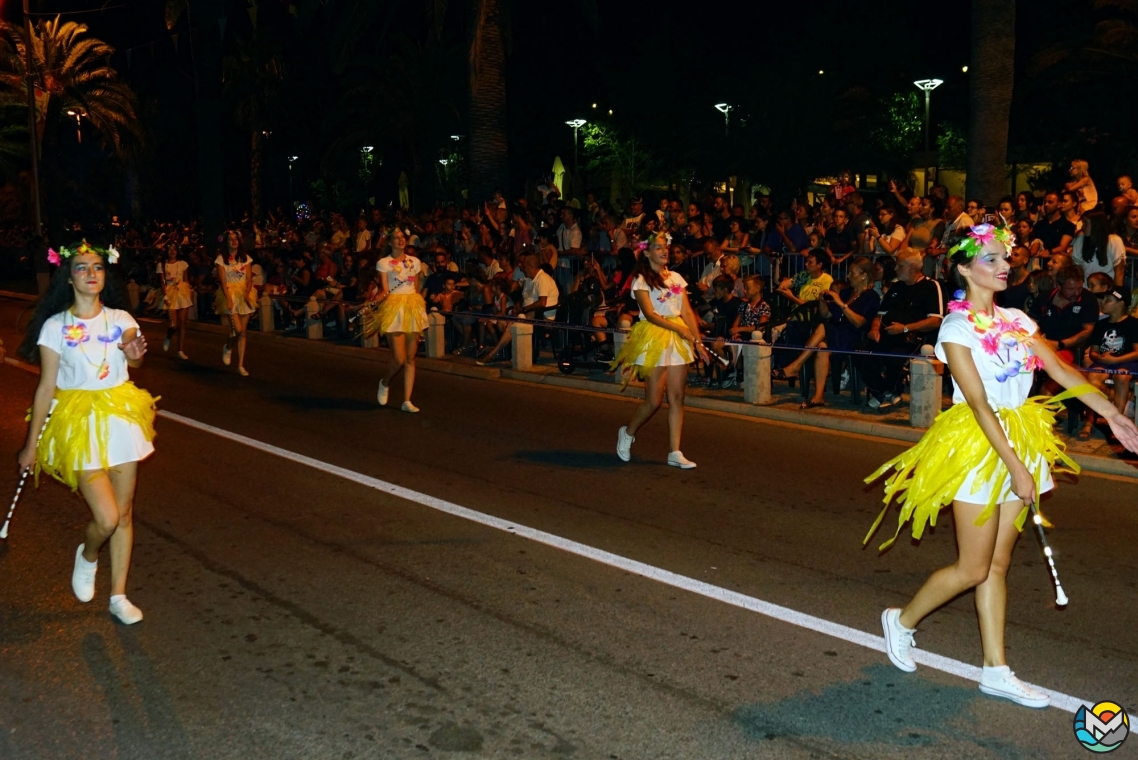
x=991 y=71
x=489 y=150
x=73 y=72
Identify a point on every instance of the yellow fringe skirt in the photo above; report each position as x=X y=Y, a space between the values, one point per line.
x=398 y=313
x=95 y=430
x=243 y=300
x=955 y=450
x=649 y=346
x=177 y=296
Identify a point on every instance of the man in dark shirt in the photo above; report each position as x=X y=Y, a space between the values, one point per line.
x=840 y=238
x=1055 y=232
x=1113 y=347
x=1068 y=316
x=909 y=317
x=717 y=323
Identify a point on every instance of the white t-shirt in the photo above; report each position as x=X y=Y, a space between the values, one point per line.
x=1001 y=349
x=363 y=240
x=568 y=237
x=402 y=274
x=541 y=285
x=235 y=273
x=897 y=234
x=667 y=301
x=89 y=355
x=1115 y=255
x=173 y=272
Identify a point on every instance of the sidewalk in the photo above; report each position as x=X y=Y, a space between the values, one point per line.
x=1095 y=455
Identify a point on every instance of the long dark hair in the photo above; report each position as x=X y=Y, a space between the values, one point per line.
x=60 y=297
x=240 y=256
x=645 y=270
x=1095 y=240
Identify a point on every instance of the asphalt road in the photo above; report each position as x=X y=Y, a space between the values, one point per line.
x=294 y=613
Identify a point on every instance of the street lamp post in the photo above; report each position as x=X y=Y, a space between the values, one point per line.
x=576 y=124
x=291 y=196
x=78 y=122
x=725 y=109
x=928 y=85
x=32 y=119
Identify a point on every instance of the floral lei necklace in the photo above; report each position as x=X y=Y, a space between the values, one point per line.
x=1006 y=341
x=75 y=335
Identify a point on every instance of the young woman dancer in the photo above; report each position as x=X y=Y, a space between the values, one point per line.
x=178 y=297
x=401 y=316
x=235 y=297
x=660 y=347
x=101 y=425
x=991 y=455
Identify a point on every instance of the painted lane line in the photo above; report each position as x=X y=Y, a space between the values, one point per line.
x=778 y=612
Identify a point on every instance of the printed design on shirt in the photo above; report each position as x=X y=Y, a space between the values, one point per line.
x=673 y=291
x=1112 y=343
x=1006 y=341
x=75 y=333
x=111 y=337
x=398 y=269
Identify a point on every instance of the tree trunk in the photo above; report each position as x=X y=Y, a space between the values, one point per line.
x=489 y=153
x=992 y=69
x=206 y=41
x=255 y=174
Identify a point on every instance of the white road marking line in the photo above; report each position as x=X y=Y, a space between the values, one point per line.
x=778 y=612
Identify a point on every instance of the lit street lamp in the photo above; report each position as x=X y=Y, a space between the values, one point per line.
x=725 y=109
x=291 y=197
x=576 y=124
x=928 y=85
x=78 y=122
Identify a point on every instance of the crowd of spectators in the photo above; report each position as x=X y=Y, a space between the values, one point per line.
x=851 y=271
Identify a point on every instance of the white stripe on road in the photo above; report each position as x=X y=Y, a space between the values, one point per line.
x=778 y=612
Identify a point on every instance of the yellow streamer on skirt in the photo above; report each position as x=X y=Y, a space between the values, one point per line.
x=652 y=341
x=928 y=476
x=66 y=443
x=411 y=306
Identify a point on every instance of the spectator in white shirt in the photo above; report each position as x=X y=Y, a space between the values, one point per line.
x=956 y=222
x=569 y=233
x=363 y=236
x=539 y=297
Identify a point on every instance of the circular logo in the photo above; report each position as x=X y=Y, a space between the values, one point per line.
x=1103 y=727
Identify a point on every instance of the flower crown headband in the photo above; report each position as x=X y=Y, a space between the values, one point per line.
x=979 y=236
x=643 y=244
x=57 y=258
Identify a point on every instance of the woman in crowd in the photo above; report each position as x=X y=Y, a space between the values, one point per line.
x=1082 y=184
x=1096 y=249
x=989 y=456
x=89 y=425
x=1025 y=236
x=660 y=348
x=1128 y=231
x=926 y=230
x=736 y=239
x=178 y=297
x=402 y=315
x=1026 y=208
x=235 y=297
x=888 y=235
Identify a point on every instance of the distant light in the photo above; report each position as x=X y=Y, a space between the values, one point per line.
x=723 y=107
x=928 y=84
x=367 y=148
x=576 y=123
x=610 y=112
x=456 y=137
x=964 y=69
x=821 y=72
x=292 y=158
x=444 y=161
x=594 y=105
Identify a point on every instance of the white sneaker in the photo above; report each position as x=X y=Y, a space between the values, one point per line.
x=1002 y=682
x=874 y=402
x=381 y=394
x=182 y=356
x=166 y=344
x=677 y=459
x=83 y=577
x=889 y=401
x=225 y=352
x=898 y=640
x=409 y=407
x=126 y=612
x=243 y=372
x=624 y=443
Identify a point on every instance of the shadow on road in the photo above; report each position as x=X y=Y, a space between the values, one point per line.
x=325 y=403
x=574 y=460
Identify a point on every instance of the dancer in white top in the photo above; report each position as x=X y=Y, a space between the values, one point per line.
x=101 y=425
x=178 y=297
x=401 y=316
x=235 y=297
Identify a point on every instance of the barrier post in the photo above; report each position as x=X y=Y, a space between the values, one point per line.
x=618 y=339
x=370 y=341
x=757 y=371
x=267 y=315
x=521 y=339
x=436 y=335
x=132 y=295
x=192 y=314
x=313 y=322
x=926 y=382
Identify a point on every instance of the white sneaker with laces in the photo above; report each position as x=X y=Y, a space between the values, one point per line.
x=126 y=612
x=381 y=394
x=409 y=407
x=624 y=443
x=898 y=640
x=1002 y=682
x=182 y=356
x=83 y=577
x=243 y=372
x=225 y=352
x=677 y=459
x=166 y=344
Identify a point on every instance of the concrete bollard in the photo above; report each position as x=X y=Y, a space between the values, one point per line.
x=192 y=312
x=132 y=295
x=267 y=324
x=436 y=335
x=370 y=341
x=618 y=340
x=757 y=372
x=521 y=340
x=313 y=323
x=926 y=381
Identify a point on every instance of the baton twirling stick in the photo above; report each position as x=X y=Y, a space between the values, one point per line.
x=20 y=487
x=1060 y=597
